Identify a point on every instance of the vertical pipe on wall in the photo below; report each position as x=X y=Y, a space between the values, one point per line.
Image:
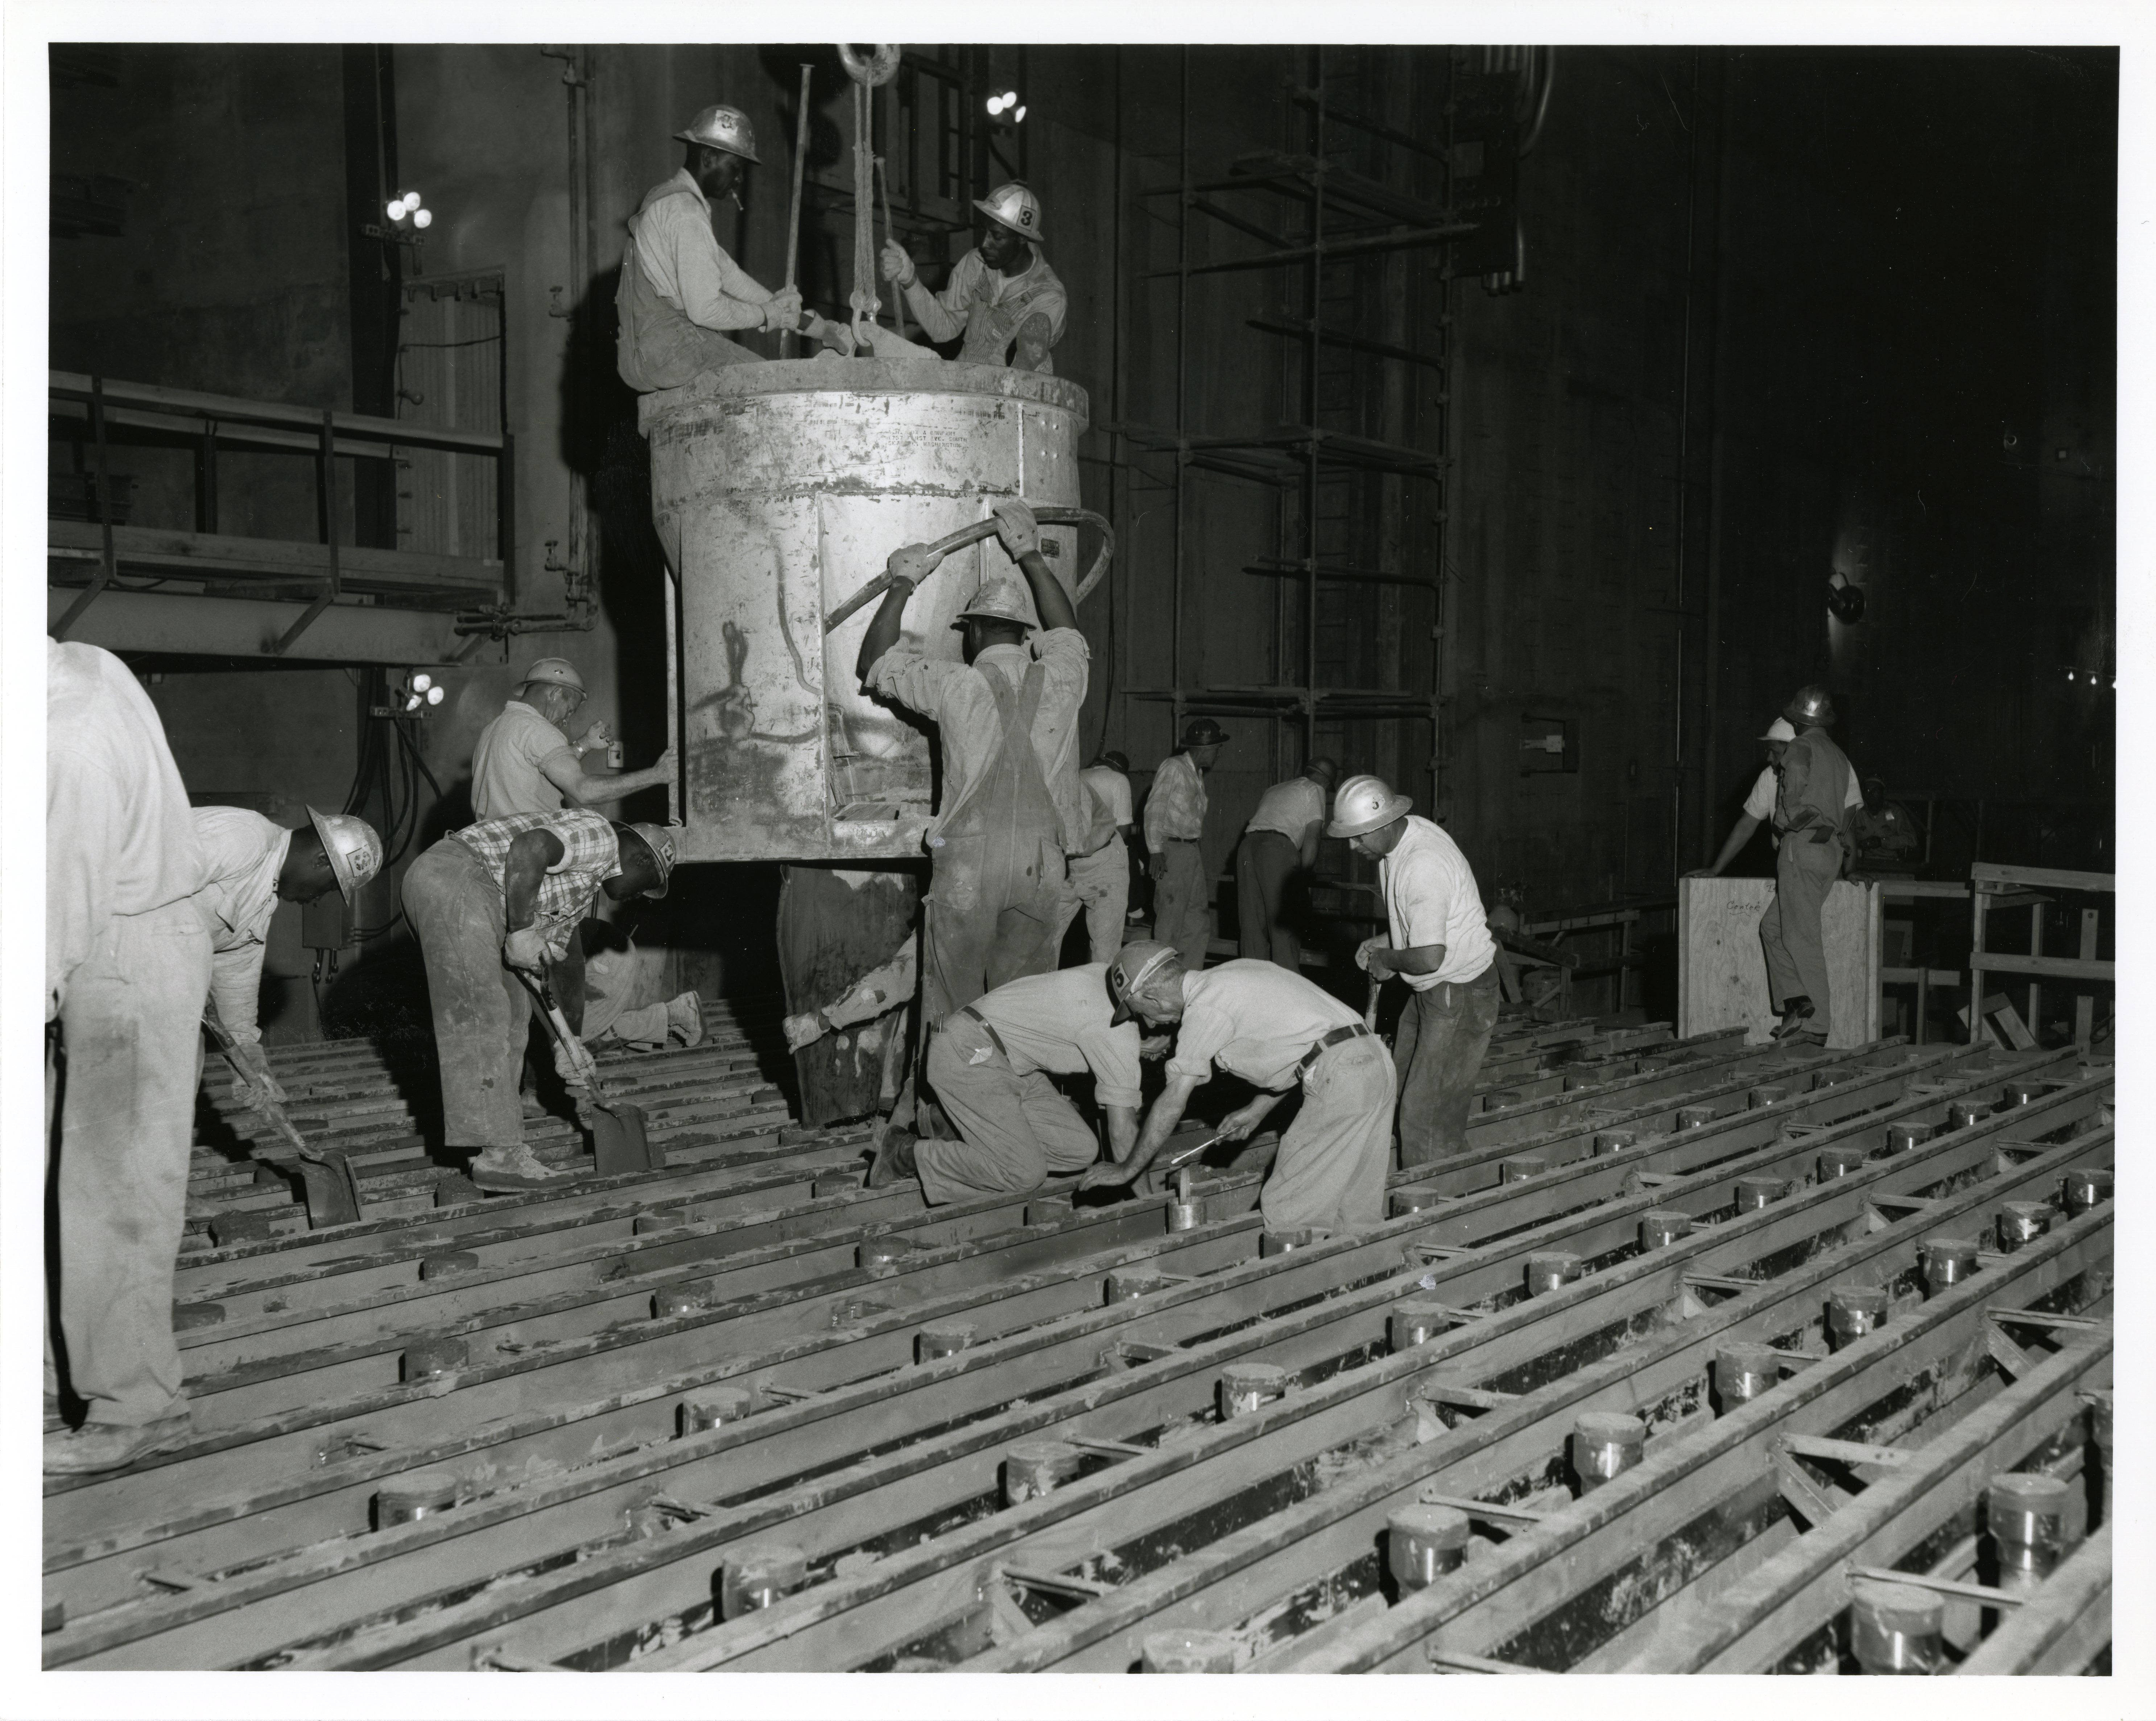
x=1182 y=403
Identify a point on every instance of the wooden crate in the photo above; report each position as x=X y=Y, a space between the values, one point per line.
x=1721 y=967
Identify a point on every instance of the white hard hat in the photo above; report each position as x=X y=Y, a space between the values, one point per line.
x=723 y=127
x=354 y=851
x=998 y=599
x=1780 y=729
x=557 y=670
x=1013 y=206
x=1363 y=804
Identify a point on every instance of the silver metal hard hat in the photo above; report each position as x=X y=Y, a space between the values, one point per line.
x=660 y=840
x=352 y=845
x=723 y=127
x=998 y=599
x=1134 y=965
x=1013 y=206
x=554 y=671
x=1363 y=804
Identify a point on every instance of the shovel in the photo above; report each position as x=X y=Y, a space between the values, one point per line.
x=620 y=1141
x=332 y=1190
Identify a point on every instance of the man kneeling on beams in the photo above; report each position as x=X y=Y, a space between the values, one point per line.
x=989 y=1066
x=1255 y=1019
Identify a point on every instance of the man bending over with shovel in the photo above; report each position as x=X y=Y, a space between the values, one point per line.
x=492 y=904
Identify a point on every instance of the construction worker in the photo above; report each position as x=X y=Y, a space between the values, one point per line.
x=1279 y=844
x=252 y=864
x=990 y=1066
x=1002 y=293
x=492 y=904
x=1810 y=807
x=1008 y=718
x=1437 y=941
x=127 y=968
x=526 y=762
x=1174 y=822
x=682 y=295
x=1883 y=834
x=1759 y=804
x=1256 y=1020
x=1100 y=870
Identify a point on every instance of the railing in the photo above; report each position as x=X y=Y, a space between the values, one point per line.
x=326 y=570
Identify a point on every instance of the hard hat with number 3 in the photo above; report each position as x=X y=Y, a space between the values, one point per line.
x=723 y=127
x=1363 y=804
x=352 y=848
x=1013 y=206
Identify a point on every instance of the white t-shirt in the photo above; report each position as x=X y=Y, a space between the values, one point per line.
x=1760 y=803
x=1431 y=898
x=1289 y=808
x=1113 y=787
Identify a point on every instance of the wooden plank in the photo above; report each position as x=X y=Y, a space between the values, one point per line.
x=1985 y=872
x=211 y=555
x=1721 y=968
x=2057 y=967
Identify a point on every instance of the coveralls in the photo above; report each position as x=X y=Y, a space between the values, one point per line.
x=127 y=971
x=1808 y=817
x=990 y=1066
x=990 y=307
x=1008 y=724
x=1266 y=860
x=1270 y=1027
x=1431 y=898
x=662 y=343
x=1174 y=820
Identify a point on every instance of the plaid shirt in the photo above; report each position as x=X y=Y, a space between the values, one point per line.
x=591 y=855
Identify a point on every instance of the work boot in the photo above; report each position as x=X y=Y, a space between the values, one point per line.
x=98 y=1447
x=55 y=1422
x=894 y=1161
x=1796 y=1010
x=685 y=1020
x=1805 y=1037
x=511 y=1171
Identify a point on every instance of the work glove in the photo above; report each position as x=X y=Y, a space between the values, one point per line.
x=912 y=563
x=574 y=1064
x=783 y=309
x=526 y=949
x=804 y=1030
x=254 y=1070
x=836 y=336
x=896 y=264
x=1374 y=941
x=1016 y=526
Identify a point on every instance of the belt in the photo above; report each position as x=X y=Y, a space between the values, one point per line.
x=988 y=1028
x=1353 y=1031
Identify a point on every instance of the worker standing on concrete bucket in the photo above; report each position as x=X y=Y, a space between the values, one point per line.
x=490 y=902
x=1002 y=293
x=1256 y=1020
x=254 y=864
x=127 y=966
x=682 y=295
x=990 y=1067
x=1437 y=941
x=1810 y=811
x=1008 y=718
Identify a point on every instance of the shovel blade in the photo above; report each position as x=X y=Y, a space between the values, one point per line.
x=333 y=1191
x=620 y=1143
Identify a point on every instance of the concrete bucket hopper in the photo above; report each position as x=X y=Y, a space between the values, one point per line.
x=778 y=490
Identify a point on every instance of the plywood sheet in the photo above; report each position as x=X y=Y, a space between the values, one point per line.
x=1721 y=967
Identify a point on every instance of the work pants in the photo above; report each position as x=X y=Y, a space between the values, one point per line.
x=1789 y=930
x=1099 y=883
x=132 y=1031
x=1439 y=1046
x=482 y=1013
x=1266 y=863
x=990 y=916
x=1015 y=1129
x=1181 y=905
x=1331 y=1169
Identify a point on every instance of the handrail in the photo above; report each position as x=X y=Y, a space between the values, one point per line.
x=188 y=402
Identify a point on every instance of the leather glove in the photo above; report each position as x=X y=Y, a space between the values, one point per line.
x=897 y=265
x=836 y=336
x=254 y=1067
x=526 y=949
x=1016 y=526
x=783 y=309
x=805 y=1028
x=912 y=563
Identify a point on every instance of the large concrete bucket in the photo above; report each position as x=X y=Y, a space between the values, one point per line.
x=778 y=490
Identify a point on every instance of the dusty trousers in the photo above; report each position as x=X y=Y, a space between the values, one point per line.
x=1789 y=930
x=1015 y=1129
x=1182 y=906
x=1332 y=1161
x=1442 y=1034
x=132 y=1029
x=657 y=347
x=1099 y=883
x=482 y=1013
x=1266 y=863
x=997 y=879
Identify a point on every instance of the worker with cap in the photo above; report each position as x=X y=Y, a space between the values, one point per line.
x=1001 y=295
x=252 y=864
x=1882 y=833
x=1099 y=867
x=990 y=1067
x=127 y=968
x=1437 y=939
x=492 y=904
x=681 y=296
x=1174 y=823
x=1008 y=719
x=1759 y=804
x=1280 y=847
x=1273 y=1029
